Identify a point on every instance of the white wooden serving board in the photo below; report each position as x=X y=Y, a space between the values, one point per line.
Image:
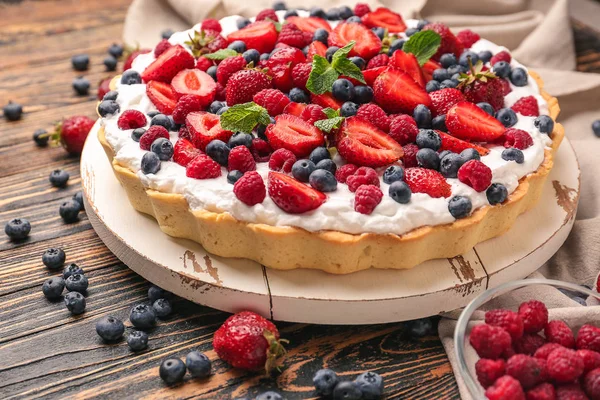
x=372 y=296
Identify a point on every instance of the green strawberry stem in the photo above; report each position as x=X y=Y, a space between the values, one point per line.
x=275 y=350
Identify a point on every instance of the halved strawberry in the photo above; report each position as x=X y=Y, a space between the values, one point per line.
x=326 y=100
x=429 y=181
x=407 y=62
x=371 y=74
x=168 y=64
x=359 y=142
x=293 y=196
x=397 y=92
x=288 y=55
x=184 y=152
x=467 y=121
x=456 y=145
x=367 y=44
x=196 y=82
x=281 y=75
x=429 y=67
x=295 y=134
x=294 y=109
x=385 y=18
x=444 y=99
x=260 y=35
x=315 y=47
x=204 y=128
x=162 y=96
x=309 y=24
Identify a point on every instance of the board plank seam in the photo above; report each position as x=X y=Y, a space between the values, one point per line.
x=266 y=276
x=487 y=276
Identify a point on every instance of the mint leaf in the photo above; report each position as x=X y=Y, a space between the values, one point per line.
x=343 y=52
x=322 y=76
x=423 y=45
x=347 y=68
x=331 y=113
x=244 y=117
x=326 y=125
x=221 y=54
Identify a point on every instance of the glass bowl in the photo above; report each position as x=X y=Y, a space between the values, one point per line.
x=462 y=326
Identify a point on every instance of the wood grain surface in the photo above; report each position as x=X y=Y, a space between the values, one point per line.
x=47 y=353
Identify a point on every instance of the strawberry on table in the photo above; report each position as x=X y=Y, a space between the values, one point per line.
x=204 y=128
x=367 y=44
x=385 y=18
x=396 y=92
x=407 y=62
x=168 y=64
x=293 y=196
x=468 y=122
x=260 y=35
x=295 y=134
x=72 y=132
x=197 y=83
x=422 y=180
x=162 y=96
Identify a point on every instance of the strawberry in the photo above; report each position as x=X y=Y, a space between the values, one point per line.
x=482 y=85
x=286 y=56
x=161 y=47
x=273 y=100
x=295 y=134
x=375 y=115
x=197 y=83
x=467 y=38
x=129 y=59
x=243 y=85
x=267 y=13
x=395 y=91
x=450 y=44
x=168 y=64
x=292 y=36
x=187 y=104
x=206 y=41
x=162 y=96
x=429 y=67
x=72 y=132
x=294 y=109
x=527 y=106
x=501 y=56
x=361 y=143
x=367 y=44
x=385 y=18
x=456 y=145
x=409 y=159
x=422 y=180
x=505 y=84
x=403 y=129
x=371 y=74
x=281 y=75
x=103 y=87
x=315 y=47
x=444 y=99
x=300 y=74
x=310 y=24
x=407 y=62
x=467 y=121
x=380 y=60
x=260 y=35
x=203 y=63
x=184 y=152
x=326 y=100
x=361 y=9
x=204 y=128
x=221 y=93
x=228 y=67
x=291 y=195
x=211 y=24
x=313 y=113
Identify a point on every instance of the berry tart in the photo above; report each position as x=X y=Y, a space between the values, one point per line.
x=339 y=140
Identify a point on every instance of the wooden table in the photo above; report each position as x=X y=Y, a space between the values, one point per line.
x=47 y=353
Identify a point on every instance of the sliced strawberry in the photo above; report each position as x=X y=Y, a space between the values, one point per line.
x=316 y=47
x=260 y=35
x=385 y=18
x=204 y=128
x=168 y=64
x=184 y=152
x=407 y=62
x=309 y=24
x=456 y=145
x=367 y=44
x=359 y=142
x=371 y=74
x=444 y=99
x=326 y=100
x=429 y=67
x=293 y=196
x=294 y=109
x=162 y=96
x=397 y=92
x=288 y=55
x=467 y=121
x=295 y=134
x=196 y=82
x=429 y=181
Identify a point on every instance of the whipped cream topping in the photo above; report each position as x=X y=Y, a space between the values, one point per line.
x=337 y=213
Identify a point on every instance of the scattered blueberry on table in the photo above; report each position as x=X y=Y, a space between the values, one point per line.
x=142 y=316
x=137 y=340
x=80 y=62
x=172 y=370
x=69 y=211
x=75 y=302
x=110 y=328
x=596 y=127
x=41 y=137
x=53 y=288
x=13 y=111
x=81 y=86
x=54 y=258
x=198 y=364
x=59 y=178
x=72 y=269
x=17 y=228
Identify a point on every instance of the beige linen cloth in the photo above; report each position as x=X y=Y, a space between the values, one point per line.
x=539 y=34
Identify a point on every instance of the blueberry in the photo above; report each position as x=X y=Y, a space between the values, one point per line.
x=333 y=14
x=448 y=83
x=507 y=117
x=370 y=384
x=75 y=302
x=321 y=35
x=17 y=228
x=251 y=56
x=448 y=59
x=397 y=44
x=72 y=269
x=496 y=193
x=172 y=370
x=260 y=132
x=112 y=95
x=212 y=71
x=359 y=62
x=545 y=124
x=469 y=154
x=327 y=164
x=298 y=95
x=152 y=114
x=440 y=74
x=363 y=94
x=142 y=316
x=76 y=283
x=41 y=137
x=131 y=77
x=115 y=50
x=596 y=127
x=59 y=178
x=518 y=77
x=137 y=133
x=108 y=107
x=162 y=120
x=354 y=19
x=163 y=148
x=155 y=293
x=420 y=327
x=439 y=123
x=393 y=173
x=348 y=109
x=233 y=176
x=69 y=211
x=238 y=46
x=317 y=12
x=302 y=169
x=343 y=90
x=487 y=107
x=290 y=13
x=81 y=86
x=318 y=154
x=330 y=51
x=215 y=106
x=53 y=288
x=279 y=6
x=444 y=153
x=80 y=62
x=137 y=340
x=346 y=390
x=465 y=56
x=485 y=56
x=162 y=308
x=422 y=23
x=167 y=33
x=110 y=328
x=459 y=206
x=345 y=12
x=502 y=69
x=325 y=381
x=150 y=163
x=428 y=158
x=198 y=364
x=428 y=138
x=323 y=180
x=411 y=31
x=219 y=151
x=78 y=197
x=241 y=23
x=432 y=86
x=400 y=192
x=54 y=258
x=455 y=69
x=422 y=116
x=512 y=154
x=449 y=165
x=110 y=63
x=222 y=110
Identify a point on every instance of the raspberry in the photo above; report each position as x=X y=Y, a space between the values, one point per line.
x=505 y=388
x=161 y=47
x=267 y=13
x=591 y=384
x=241 y=159
x=261 y=150
x=559 y=332
x=203 y=64
x=489 y=341
x=409 y=159
x=184 y=133
x=489 y=370
x=543 y=391
x=529 y=343
x=186 y=104
x=375 y=115
x=380 y=60
x=544 y=351
x=366 y=198
x=570 y=392
x=525 y=369
x=403 y=129
x=291 y=35
x=502 y=56
x=534 y=315
x=564 y=365
x=300 y=74
x=467 y=37
x=131 y=119
x=153 y=133
x=591 y=359
x=221 y=93
x=228 y=67
x=273 y=100
x=527 y=106
x=250 y=188
x=211 y=24
x=313 y=113
x=362 y=176
x=475 y=174
x=361 y=9
x=282 y=160
x=203 y=167
x=184 y=152
x=343 y=172
x=509 y=320
x=588 y=338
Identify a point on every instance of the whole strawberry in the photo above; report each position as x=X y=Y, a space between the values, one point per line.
x=243 y=85
x=72 y=132
x=482 y=86
x=248 y=341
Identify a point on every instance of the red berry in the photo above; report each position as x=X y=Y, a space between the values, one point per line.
x=133 y=56
x=162 y=96
x=529 y=343
x=281 y=75
x=73 y=132
x=250 y=189
x=385 y=18
x=310 y=24
x=153 y=133
x=260 y=35
x=282 y=160
x=410 y=155
x=544 y=351
x=570 y=392
x=131 y=119
x=186 y=104
x=559 y=332
x=591 y=384
x=468 y=122
x=489 y=341
x=241 y=159
x=380 y=60
x=407 y=63
x=292 y=36
x=342 y=173
x=228 y=67
x=261 y=150
x=374 y=114
x=444 y=99
x=244 y=84
x=315 y=48
x=396 y=91
x=203 y=64
x=211 y=24
x=543 y=391
x=168 y=64
x=505 y=388
x=591 y=359
x=509 y=320
x=203 y=167
x=204 y=128
x=267 y=13
x=286 y=56
x=525 y=369
x=475 y=174
x=295 y=134
x=588 y=338
x=221 y=93
x=403 y=129
x=489 y=370
x=215 y=41
x=273 y=100
x=161 y=47
x=196 y=82
x=366 y=198
x=184 y=133
x=534 y=315
x=488 y=90
x=184 y=152
x=501 y=56
x=361 y=9
x=362 y=176
x=300 y=74
x=313 y=113
x=527 y=106
x=293 y=196
x=367 y=44
x=103 y=88
x=564 y=365
x=450 y=44
x=467 y=37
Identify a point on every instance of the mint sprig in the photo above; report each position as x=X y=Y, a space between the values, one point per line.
x=423 y=45
x=244 y=117
x=323 y=74
x=327 y=125
x=221 y=54
x=331 y=113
